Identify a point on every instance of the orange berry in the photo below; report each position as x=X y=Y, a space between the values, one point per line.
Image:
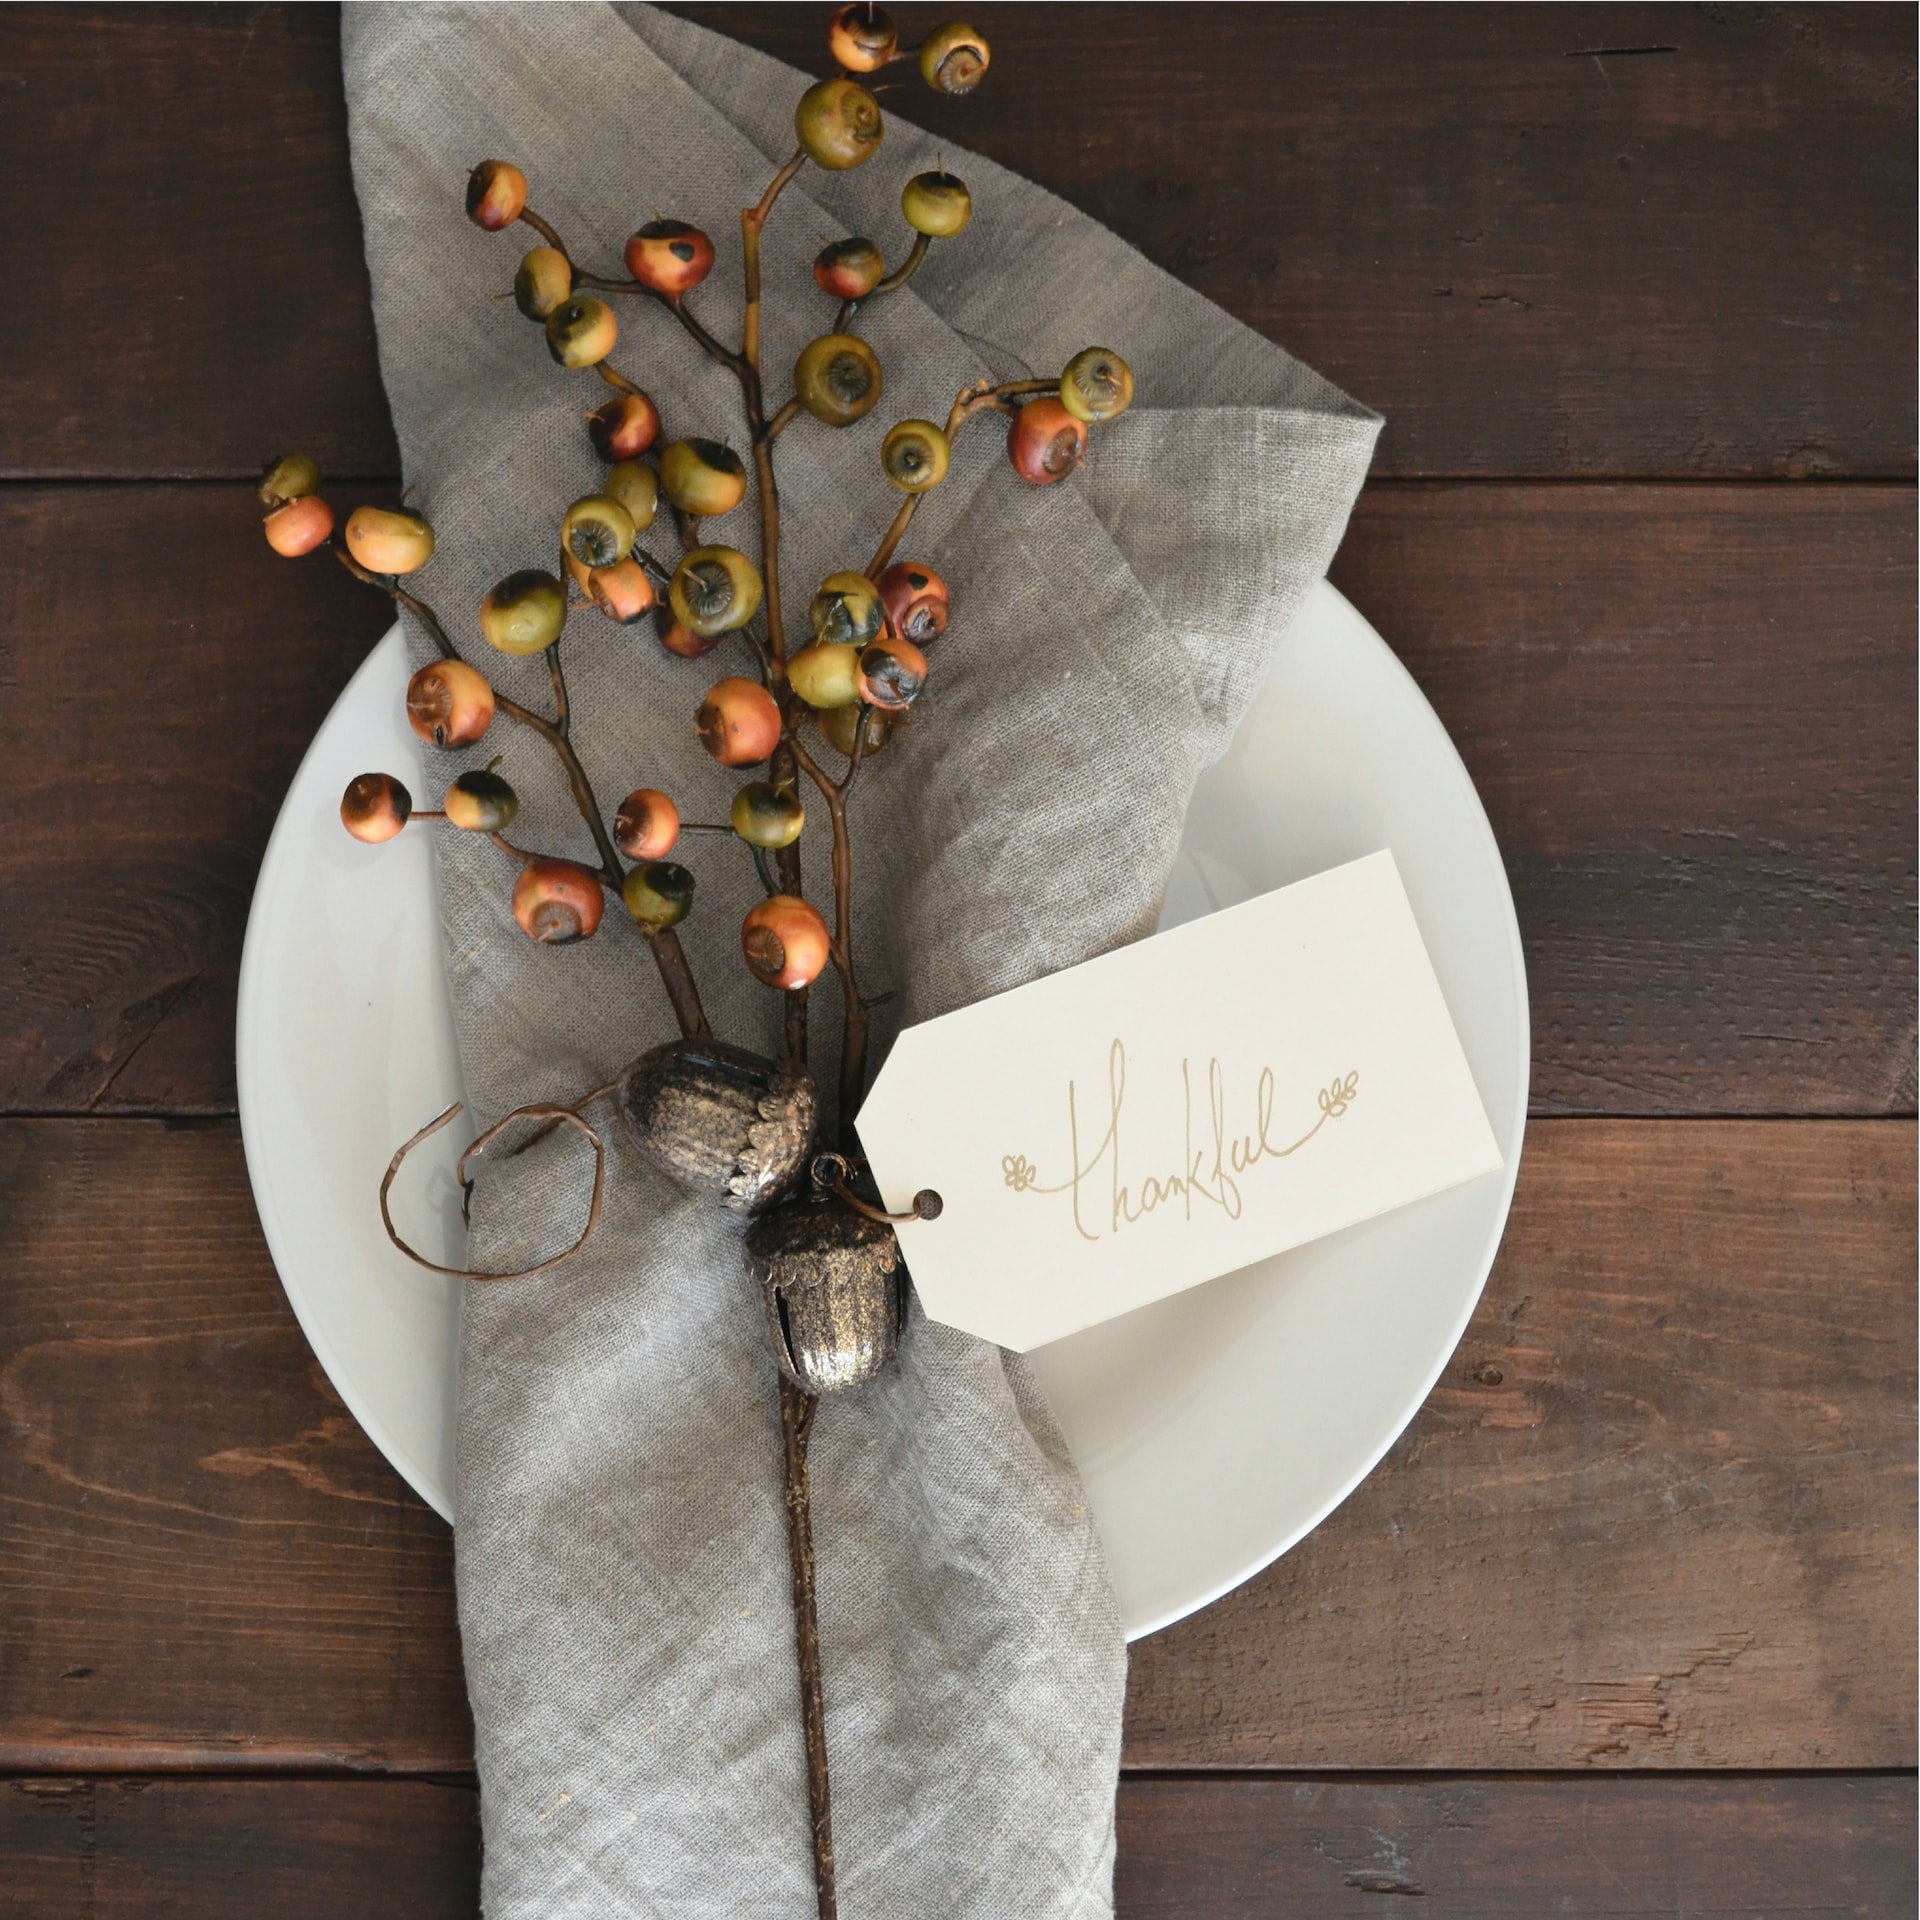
x=627 y=425
x=449 y=703
x=1045 y=442
x=374 y=807
x=892 y=674
x=739 y=723
x=299 y=526
x=669 y=256
x=916 y=601
x=785 y=941
x=647 y=825
x=496 y=193
x=622 y=592
x=863 y=37
x=557 y=900
x=385 y=542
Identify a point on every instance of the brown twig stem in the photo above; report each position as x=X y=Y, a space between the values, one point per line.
x=853 y=1033
x=982 y=397
x=899 y=277
x=796 y=1427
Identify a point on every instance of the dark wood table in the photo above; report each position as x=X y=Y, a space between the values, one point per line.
x=1625 y=1624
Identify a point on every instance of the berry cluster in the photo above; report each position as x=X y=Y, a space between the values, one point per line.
x=865 y=663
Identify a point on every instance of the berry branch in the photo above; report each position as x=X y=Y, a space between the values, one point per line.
x=716 y=1117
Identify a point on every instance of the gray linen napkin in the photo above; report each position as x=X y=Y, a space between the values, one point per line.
x=620 y=1547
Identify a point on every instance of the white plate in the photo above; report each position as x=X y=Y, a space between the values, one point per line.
x=1214 y=1429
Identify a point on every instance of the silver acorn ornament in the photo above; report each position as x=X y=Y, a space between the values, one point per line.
x=834 y=1289
x=722 y=1120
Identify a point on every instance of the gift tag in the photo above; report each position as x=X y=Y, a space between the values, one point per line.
x=1175 y=1110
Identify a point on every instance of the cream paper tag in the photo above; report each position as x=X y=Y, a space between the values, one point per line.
x=1175 y=1110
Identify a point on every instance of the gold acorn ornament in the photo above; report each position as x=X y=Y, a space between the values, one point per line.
x=721 y=1120
x=833 y=1290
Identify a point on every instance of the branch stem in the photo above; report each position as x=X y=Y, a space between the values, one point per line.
x=796 y=1427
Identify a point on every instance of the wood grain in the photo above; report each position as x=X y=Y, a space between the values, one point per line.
x=1480 y=1849
x=1805 y=1848
x=1690 y=711
x=1657 y=1515
x=1690 y=256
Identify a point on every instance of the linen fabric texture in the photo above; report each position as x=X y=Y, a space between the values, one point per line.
x=620 y=1540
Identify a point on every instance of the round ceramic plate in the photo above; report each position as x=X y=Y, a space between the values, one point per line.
x=1213 y=1429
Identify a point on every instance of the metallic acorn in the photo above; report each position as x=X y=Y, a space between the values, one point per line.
x=721 y=1120
x=496 y=193
x=839 y=124
x=299 y=526
x=936 y=204
x=847 y=610
x=449 y=703
x=544 y=279
x=837 y=378
x=658 y=893
x=849 y=269
x=626 y=426
x=953 y=58
x=715 y=590
x=670 y=257
x=291 y=478
x=1096 y=385
x=914 y=455
x=375 y=807
x=481 y=802
x=916 y=600
x=1045 y=442
x=582 y=331
x=862 y=37
x=834 y=1289
x=703 y=477
x=524 y=613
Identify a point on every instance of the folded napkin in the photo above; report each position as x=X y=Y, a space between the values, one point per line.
x=621 y=1555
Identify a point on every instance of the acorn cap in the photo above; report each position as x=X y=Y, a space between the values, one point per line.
x=834 y=1288
x=722 y=1120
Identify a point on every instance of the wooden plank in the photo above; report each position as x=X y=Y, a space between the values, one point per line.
x=1788 y=1848
x=155 y=716
x=1693 y=256
x=1658 y=1513
x=1690 y=710
x=1690 y=715
x=145 y=1849
x=1480 y=1849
